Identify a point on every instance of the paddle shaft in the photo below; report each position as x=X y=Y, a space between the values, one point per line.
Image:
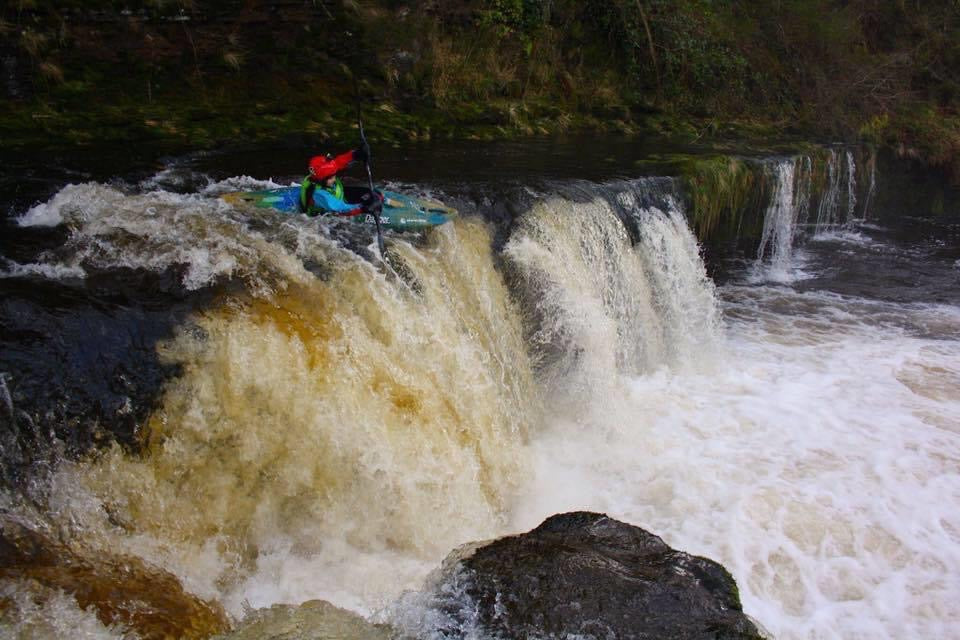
x=373 y=193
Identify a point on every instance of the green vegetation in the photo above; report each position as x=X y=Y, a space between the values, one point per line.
x=721 y=189
x=205 y=72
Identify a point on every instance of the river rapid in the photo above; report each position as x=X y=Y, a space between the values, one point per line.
x=300 y=421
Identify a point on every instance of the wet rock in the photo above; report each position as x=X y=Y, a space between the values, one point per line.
x=123 y=591
x=586 y=575
x=80 y=364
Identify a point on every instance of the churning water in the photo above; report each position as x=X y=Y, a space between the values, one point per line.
x=335 y=427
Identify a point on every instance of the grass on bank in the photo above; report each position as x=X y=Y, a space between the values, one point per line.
x=221 y=71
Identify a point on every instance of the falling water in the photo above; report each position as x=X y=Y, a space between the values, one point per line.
x=851 y=188
x=335 y=427
x=780 y=224
x=607 y=302
x=827 y=216
x=327 y=421
x=872 y=188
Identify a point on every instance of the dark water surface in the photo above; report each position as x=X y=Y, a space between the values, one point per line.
x=880 y=263
x=28 y=177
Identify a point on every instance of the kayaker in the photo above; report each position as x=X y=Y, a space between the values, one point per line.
x=322 y=191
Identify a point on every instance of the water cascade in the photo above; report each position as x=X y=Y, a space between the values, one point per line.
x=781 y=220
x=851 y=188
x=332 y=428
x=829 y=214
x=872 y=187
x=607 y=302
x=334 y=420
x=328 y=419
x=794 y=187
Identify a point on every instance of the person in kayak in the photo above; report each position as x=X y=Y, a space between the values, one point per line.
x=322 y=191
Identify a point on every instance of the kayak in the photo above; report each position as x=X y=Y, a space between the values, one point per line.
x=400 y=211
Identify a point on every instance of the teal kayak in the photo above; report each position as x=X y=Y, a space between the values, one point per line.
x=400 y=211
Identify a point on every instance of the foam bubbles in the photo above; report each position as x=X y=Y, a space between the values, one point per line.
x=201 y=236
x=241 y=183
x=334 y=434
x=819 y=464
x=334 y=440
x=32 y=612
x=14 y=269
x=73 y=202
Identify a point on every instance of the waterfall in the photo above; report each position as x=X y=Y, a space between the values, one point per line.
x=325 y=409
x=802 y=194
x=336 y=427
x=829 y=215
x=788 y=207
x=327 y=426
x=608 y=301
x=851 y=188
x=786 y=217
x=872 y=188
x=830 y=200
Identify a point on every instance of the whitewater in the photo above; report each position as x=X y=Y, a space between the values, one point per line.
x=338 y=426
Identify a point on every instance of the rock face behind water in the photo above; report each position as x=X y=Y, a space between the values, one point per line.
x=587 y=575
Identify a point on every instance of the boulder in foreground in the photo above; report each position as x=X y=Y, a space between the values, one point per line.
x=586 y=575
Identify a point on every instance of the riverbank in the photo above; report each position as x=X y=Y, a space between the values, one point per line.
x=199 y=76
x=220 y=116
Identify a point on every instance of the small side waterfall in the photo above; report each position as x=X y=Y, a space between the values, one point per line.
x=803 y=189
x=872 y=188
x=829 y=202
x=829 y=213
x=851 y=188
x=796 y=184
x=785 y=217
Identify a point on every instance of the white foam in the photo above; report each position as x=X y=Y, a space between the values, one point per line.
x=176 y=176
x=242 y=183
x=846 y=236
x=819 y=464
x=340 y=575
x=50 y=271
x=73 y=201
x=35 y=612
x=798 y=268
x=155 y=231
x=443 y=609
x=813 y=448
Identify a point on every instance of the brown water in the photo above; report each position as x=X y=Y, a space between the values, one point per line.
x=299 y=421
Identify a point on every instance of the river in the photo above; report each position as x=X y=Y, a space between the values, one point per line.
x=300 y=422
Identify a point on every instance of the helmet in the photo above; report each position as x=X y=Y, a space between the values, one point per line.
x=322 y=167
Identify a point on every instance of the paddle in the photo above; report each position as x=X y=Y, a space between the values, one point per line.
x=366 y=162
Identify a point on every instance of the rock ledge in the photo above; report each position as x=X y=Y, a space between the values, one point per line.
x=586 y=575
